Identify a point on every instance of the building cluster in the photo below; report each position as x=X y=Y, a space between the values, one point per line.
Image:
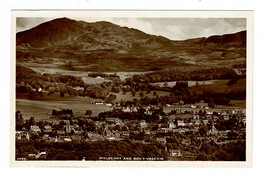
x=143 y=131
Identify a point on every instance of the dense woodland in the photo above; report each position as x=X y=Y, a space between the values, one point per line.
x=108 y=76
x=185 y=74
x=95 y=150
x=32 y=83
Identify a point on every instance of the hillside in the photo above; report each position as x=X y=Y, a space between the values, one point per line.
x=103 y=46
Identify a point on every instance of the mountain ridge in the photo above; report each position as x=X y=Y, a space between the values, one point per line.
x=101 y=44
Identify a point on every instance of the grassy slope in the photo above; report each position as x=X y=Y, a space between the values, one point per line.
x=221 y=86
x=41 y=108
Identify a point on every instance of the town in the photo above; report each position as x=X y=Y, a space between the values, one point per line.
x=178 y=135
x=100 y=91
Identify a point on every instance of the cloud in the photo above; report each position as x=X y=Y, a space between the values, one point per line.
x=144 y=26
x=186 y=28
x=24 y=23
x=172 y=28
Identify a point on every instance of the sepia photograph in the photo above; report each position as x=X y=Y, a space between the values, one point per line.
x=132 y=86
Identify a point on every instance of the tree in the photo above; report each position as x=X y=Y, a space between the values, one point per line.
x=162 y=103
x=155 y=127
x=61 y=94
x=19 y=120
x=124 y=128
x=181 y=84
x=211 y=103
x=116 y=81
x=32 y=121
x=125 y=89
x=32 y=95
x=165 y=84
x=95 y=91
x=88 y=112
x=202 y=156
x=141 y=94
x=27 y=125
x=203 y=130
x=232 y=134
x=133 y=93
x=169 y=146
x=41 y=125
x=90 y=126
x=117 y=127
x=110 y=98
x=116 y=89
x=136 y=102
x=70 y=91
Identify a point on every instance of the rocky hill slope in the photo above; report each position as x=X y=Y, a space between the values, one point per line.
x=103 y=46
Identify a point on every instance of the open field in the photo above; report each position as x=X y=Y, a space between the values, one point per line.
x=217 y=86
x=41 y=109
x=239 y=86
x=54 y=69
x=213 y=86
x=240 y=103
x=221 y=86
x=82 y=74
x=193 y=83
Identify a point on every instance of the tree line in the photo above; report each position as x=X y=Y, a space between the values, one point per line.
x=89 y=150
x=186 y=74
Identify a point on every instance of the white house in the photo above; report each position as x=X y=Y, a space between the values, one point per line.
x=47 y=128
x=180 y=123
x=108 y=104
x=172 y=125
x=195 y=117
x=143 y=124
x=193 y=106
x=175 y=153
x=127 y=109
x=35 y=128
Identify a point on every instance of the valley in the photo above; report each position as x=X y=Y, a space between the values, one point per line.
x=96 y=91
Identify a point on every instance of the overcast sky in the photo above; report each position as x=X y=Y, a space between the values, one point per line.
x=172 y=28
